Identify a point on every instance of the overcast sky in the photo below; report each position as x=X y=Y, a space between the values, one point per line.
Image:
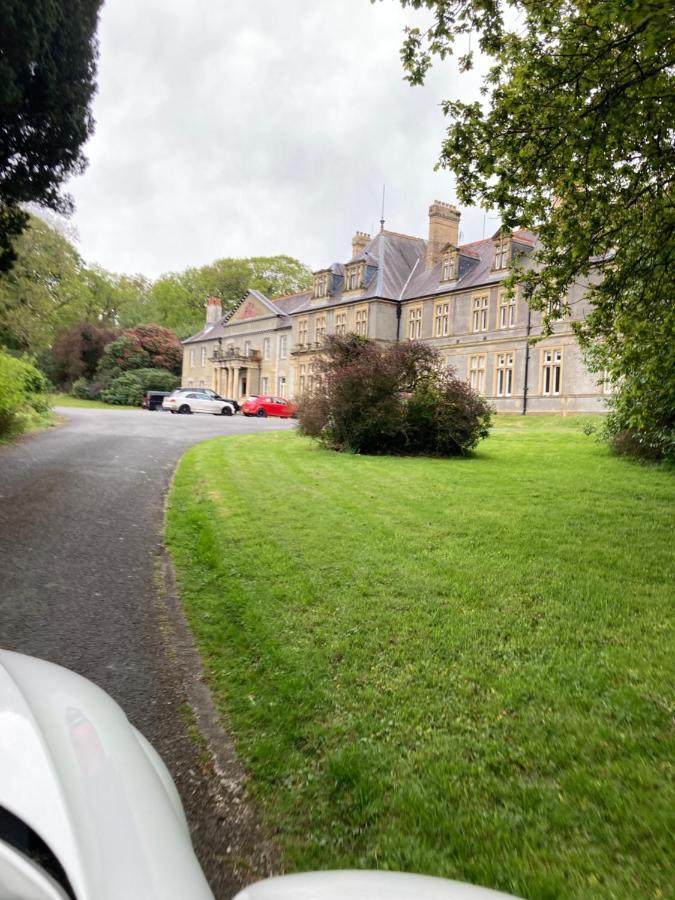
x=258 y=127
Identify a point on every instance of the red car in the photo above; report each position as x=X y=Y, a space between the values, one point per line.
x=268 y=406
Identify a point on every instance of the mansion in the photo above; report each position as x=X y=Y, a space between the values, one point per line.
x=396 y=287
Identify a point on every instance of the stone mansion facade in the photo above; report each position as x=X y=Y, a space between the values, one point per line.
x=393 y=288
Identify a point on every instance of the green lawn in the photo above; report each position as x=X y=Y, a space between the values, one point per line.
x=458 y=667
x=67 y=400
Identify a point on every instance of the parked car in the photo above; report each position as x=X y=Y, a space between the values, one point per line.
x=268 y=406
x=210 y=393
x=186 y=402
x=152 y=400
x=88 y=809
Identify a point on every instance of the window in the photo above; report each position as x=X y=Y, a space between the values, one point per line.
x=340 y=324
x=442 y=319
x=502 y=253
x=192 y=359
x=283 y=346
x=267 y=348
x=301 y=379
x=504 y=374
x=449 y=266
x=303 y=331
x=477 y=372
x=353 y=278
x=247 y=348
x=415 y=323
x=320 y=330
x=203 y=356
x=480 y=313
x=201 y=384
x=551 y=372
x=321 y=284
x=362 y=322
x=264 y=384
x=190 y=383
x=281 y=388
x=554 y=308
x=507 y=310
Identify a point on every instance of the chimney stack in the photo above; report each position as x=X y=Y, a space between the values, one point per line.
x=214 y=310
x=359 y=243
x=443 y=229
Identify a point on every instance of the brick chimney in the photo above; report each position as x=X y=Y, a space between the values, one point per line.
x=359 y=243
x=214 y=310
x=443 y=229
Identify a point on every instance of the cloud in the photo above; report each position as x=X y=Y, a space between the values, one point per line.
x=241 y=129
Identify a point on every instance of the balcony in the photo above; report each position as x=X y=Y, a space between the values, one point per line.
x=236 y=355
x=309 y=347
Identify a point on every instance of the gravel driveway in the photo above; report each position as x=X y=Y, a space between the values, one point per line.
x=81 y=512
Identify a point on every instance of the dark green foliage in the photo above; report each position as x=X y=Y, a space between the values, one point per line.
x=47 y=79
x=575 y=141
x=127 y=389
x=396 y=400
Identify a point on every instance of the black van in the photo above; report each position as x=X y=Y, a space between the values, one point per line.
x=152 y=400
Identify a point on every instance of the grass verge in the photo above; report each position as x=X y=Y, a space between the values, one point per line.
x=67 y=400
x=457 y=667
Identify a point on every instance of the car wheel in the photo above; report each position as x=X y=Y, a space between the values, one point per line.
x=226 y=411
x=184 y=409
x=261 y=414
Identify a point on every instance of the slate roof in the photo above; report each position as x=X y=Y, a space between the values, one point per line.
x=278 y=306
x=399 y=274
x=476 y=270
x=392 y=255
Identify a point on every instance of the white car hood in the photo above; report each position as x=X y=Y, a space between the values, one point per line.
x=75 y=771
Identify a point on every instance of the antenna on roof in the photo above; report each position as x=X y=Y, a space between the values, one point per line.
x=382 y=216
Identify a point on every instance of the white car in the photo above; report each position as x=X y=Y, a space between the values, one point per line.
x=197 y=402
x=87 y=808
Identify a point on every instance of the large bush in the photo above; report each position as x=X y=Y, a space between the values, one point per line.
x=128 y=388
x=399 y=400
x=22 y=390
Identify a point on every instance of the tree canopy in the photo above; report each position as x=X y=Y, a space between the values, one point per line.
x=574 y=140
x=48 y=57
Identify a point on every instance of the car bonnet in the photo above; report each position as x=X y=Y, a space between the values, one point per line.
x=75 y=771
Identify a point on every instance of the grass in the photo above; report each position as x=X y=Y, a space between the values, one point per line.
x=67 y=400
x=457 y=667
x=25 y=421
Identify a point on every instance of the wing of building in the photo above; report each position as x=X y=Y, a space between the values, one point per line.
x=397 y=287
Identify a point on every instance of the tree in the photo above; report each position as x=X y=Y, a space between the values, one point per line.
x=77 y=352
x=44 y=292
x=178 y=299
x=143 y=347
x=575 y=141
x=48 y=56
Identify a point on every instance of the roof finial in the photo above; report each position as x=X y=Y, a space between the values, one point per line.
x=382 y=217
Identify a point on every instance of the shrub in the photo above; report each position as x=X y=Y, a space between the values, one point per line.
x=127 y=389
x=22 y=389
x=397 y=400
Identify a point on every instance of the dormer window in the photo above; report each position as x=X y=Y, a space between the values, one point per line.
x=502 y=257
x=353 y=278
x=321 y=284
x=450 y=266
